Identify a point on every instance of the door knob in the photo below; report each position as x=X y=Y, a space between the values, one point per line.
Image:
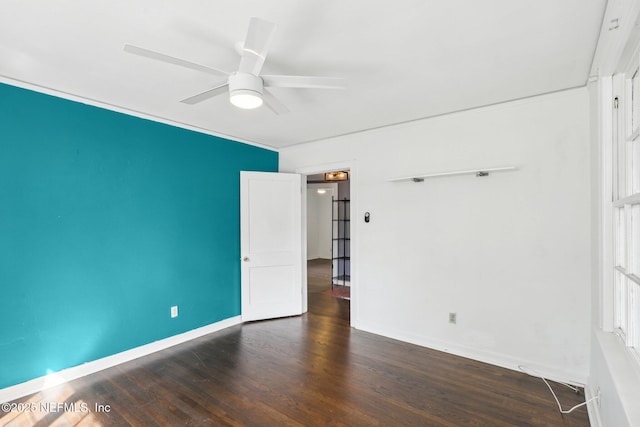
x=245 y=259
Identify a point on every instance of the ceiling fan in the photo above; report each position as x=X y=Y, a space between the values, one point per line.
x=247 y=88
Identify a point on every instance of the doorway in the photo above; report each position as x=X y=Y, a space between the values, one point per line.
x=329 y=235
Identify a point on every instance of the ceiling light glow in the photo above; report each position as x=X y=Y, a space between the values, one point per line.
x=246 y=99
x=336 y=176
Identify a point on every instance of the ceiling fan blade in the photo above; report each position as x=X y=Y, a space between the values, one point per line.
x=218 y=90
x=273 y=103
x=256 y=45
x=172 y=60
x=309 y=82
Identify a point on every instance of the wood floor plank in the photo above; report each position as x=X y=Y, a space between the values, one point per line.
x=304 y=371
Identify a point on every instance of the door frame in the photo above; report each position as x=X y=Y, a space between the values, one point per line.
x=350 y=165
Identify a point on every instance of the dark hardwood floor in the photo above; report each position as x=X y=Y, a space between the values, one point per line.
x=303 y=371
x=318 y=275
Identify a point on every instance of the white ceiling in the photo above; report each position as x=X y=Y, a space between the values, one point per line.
x=403 y=59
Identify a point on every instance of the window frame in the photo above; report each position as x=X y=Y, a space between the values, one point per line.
x=625 y=207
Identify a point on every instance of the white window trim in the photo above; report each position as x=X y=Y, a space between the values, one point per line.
x=620 y=316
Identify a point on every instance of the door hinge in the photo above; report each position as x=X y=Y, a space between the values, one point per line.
x=615 y=102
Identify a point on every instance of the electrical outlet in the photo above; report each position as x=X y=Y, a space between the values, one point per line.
x=453 y=317
x=174 y=311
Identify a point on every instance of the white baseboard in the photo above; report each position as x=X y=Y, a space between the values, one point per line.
x=593 y=407
x=504 y=361
x=41 y=383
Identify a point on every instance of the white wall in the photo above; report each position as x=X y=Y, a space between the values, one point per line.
x=319 y=220
x=509 y=253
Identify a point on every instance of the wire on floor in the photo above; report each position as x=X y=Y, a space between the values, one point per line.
x=536 y=374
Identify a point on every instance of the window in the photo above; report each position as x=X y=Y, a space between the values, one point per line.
x=626 y=207
x=621 y=245
x=634 y=236
x=620 y=308
x=633 y=96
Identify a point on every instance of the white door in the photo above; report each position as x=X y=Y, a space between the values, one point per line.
x=270 y=245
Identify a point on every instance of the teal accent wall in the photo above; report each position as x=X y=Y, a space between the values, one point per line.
x=106 y=221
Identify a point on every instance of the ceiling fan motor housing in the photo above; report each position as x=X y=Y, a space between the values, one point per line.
x=245 y=81
x=245 y=90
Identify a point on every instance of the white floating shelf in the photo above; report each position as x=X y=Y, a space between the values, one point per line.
x=477 y=172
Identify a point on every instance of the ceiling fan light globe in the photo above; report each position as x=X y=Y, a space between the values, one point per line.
x=245 y=99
